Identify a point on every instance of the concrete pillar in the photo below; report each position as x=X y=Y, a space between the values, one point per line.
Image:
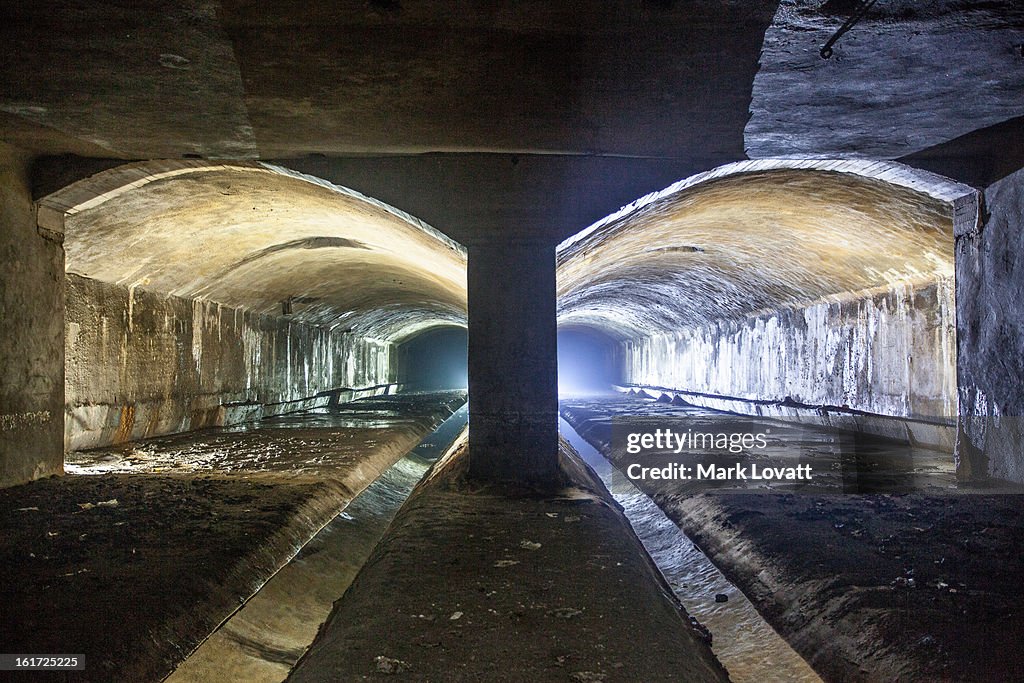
x=513 y=382
x=990 y=336
x=31 y=333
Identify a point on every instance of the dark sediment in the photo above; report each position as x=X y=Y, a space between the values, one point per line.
x=867 y=587
x=136 y=586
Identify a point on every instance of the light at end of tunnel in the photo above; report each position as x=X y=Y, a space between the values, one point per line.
x=586 y=364
x=436 y=359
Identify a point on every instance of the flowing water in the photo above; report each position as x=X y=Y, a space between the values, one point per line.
x=742 y=640
x=262 y=640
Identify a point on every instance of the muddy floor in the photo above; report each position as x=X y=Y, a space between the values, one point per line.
x=140 y=554
x=878 y=587
x=134 y=586
x=919 y=584
x=263 y=640
x=741 y=638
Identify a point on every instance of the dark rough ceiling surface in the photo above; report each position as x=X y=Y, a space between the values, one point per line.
x=910 y=75
x=627 y=78
x=978 y=158
x=135 y=79
x=241 y=79
x=540 y=117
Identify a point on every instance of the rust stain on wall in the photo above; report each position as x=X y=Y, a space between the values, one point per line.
x=126 y=424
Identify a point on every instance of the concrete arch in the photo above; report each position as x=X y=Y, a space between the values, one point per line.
x=252 y=235
x=759 y=236
x=201 y=293
x=782 y=282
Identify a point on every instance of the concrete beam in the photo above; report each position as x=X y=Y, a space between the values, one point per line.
x=513 y=373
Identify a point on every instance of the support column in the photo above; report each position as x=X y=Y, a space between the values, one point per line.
x=513 y=382
x=990 y=335
x=32 y=335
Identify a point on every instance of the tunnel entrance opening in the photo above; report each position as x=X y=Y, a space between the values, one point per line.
x=821 y=289
x=202 y=294
x=435 y=359
x=587 y=362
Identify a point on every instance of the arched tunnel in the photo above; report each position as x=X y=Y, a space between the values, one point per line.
x=813 y=284
x=630 y=341
x=198 y=294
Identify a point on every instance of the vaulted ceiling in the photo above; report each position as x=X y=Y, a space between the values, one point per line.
x=754 y=241
x=502 y=121
x=260 y=238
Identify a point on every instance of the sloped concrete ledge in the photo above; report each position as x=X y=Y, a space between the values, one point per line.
x=98 y=425
x=478 y=584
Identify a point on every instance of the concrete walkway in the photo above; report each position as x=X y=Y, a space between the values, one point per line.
x=481 y=585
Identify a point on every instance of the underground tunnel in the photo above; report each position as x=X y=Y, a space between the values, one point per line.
x=568 y=342
x=199 y=294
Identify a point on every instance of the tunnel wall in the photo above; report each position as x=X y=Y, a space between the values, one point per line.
x=891 y=353
x=141 y=363
x=990 y=335
x=31 y=341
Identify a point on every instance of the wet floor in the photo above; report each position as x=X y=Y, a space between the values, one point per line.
x=317 y=442
x=843 y=463
x=741 y=639
x=863 y=567
x=262 y=641
x=141 y=551
x=836 y=462
x=266 y=636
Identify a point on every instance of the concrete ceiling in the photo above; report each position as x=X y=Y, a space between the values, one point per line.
x=750 y=243
x=506 y=120
x=251 y=237
x=912 y=74
x=241 y=79
x=640 y=79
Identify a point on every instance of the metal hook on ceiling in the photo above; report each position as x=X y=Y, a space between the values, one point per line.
x=858 y=14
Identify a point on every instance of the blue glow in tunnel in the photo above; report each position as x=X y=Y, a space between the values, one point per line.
x=436 y=359
x=586 y=363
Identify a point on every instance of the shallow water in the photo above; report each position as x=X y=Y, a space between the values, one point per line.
x=742 y=640
x=266 y=636
x=840 y=462
x=320 y=441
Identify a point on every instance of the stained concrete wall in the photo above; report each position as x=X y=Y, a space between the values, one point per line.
x=140 y=363
x=31 y=333
x=889 y=353
x=990 y=335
